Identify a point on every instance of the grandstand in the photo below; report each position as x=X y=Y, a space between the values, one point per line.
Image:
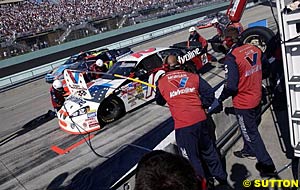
x=31 y=25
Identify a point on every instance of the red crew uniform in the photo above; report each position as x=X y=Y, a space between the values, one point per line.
x=181 y=90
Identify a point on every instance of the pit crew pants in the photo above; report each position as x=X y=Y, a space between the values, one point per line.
x=194 y=142
x=249 y=120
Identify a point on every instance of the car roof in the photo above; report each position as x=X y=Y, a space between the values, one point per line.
x=139 y=55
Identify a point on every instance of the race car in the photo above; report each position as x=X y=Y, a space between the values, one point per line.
x=104 y=54
x=126 y=86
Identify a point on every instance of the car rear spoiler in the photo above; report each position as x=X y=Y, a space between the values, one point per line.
x=119 y=53
x=76 y=83
x=186 y=45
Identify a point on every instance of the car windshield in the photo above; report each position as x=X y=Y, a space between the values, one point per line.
x=123 y=68
x=71 y=60
x=75 y=65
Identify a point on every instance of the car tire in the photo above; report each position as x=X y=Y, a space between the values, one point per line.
x=190 y=67
x=259 y=36
x=214 y=45
x=111 y=109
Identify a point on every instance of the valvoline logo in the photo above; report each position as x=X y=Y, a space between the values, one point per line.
x=181 y=85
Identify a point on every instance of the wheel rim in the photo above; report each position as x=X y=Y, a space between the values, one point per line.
x=109 y=111
x=257 y=41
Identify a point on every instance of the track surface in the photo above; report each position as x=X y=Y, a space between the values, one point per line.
x=27 y=154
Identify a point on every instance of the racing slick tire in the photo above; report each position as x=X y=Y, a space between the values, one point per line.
x=190 y=67
x=110 y=110
x=259 y=36
x=215 y=45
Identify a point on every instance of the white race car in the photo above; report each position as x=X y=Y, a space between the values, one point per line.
x=127 y=85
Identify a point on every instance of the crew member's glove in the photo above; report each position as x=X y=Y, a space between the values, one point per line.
x=216 y=107
x=229 y=110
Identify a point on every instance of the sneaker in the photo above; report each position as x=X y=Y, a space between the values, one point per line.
x=210 y=183
x=243 y=154
x=266 y=170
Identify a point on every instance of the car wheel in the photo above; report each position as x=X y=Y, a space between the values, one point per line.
x=110 y=110
x=259 y=36
x=190 y=67
x=214 y=45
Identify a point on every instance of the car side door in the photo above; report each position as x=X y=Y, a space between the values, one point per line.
x=151 y=65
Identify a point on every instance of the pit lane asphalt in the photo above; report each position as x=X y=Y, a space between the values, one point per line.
x=27 y=153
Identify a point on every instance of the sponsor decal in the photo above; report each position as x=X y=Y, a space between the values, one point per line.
x=77 y=87
x=84 y=125
x=139 y=89
x=76 y=100
x=181 y=91
x=90 y=119
x=145 y=87
x=253 y=70
x=92 y=125
x=91 y=115
x=140 y=96
x=91 y=111
x=133 y=103
x=176 y=76
x=189 y=55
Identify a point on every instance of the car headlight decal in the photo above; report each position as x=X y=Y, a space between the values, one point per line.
x=81 y=111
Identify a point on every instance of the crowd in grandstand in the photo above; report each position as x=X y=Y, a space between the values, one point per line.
x=22 y=18
x=27 y=17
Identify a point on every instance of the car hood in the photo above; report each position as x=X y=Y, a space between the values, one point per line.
x=73 y=103
x=102 y=88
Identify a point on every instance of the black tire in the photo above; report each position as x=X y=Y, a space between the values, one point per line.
x=190 y=67
x=259 y=36
x=215 y=46
x=110 y=110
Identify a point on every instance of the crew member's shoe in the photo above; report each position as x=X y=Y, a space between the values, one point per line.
x=266 y=170
x=243 y=154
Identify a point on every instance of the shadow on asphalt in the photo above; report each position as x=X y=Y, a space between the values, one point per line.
x=31 y=125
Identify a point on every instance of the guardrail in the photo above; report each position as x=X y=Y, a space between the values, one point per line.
x=39 y=71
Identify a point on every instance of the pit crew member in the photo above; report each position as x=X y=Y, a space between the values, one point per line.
x=101 y=67
x=57 y=95
x=196 y=37
x=181 y=90
x=243 y=73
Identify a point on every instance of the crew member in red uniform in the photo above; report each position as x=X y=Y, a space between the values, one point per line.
x=220 y=27
x=57 y=95
x=243 y=72
x=99 y=67
x=188 y=95
x=196 y=37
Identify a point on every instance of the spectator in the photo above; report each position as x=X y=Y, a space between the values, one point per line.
x=27 y=17
x=159 y=170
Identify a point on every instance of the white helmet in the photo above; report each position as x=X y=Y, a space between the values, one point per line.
x=57 y=85
x=99 y=63
x=214 y=21
x=192 y=29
